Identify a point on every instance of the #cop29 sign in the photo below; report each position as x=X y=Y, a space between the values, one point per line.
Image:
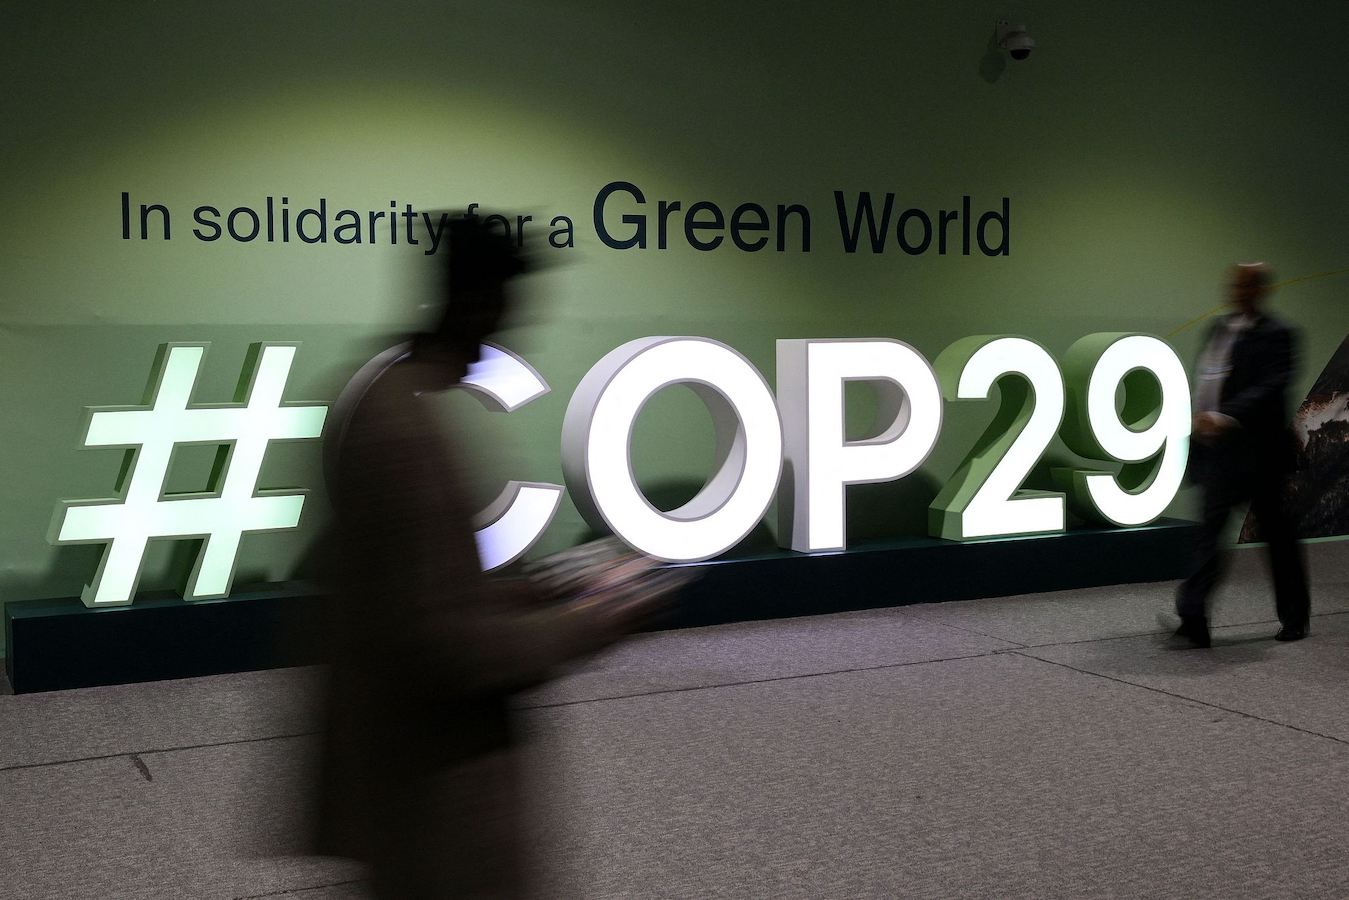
x=801 y=430
x=1119 y=398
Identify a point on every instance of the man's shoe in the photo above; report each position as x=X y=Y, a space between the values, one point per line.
x=1195 y=630
x=1287 y=633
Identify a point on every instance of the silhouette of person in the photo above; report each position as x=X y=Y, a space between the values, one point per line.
x=417 y=771
x=1242 y=449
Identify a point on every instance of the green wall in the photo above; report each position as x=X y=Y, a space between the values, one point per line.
x=1143 y=148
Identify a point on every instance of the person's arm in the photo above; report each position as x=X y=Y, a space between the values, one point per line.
x=1267 y=384
x=442 y=624
x=477 y=642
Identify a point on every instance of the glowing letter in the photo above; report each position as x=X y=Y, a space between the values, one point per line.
x=1153 y=452
x=984 y=497
x=502 y=382
x=812 y=509
x=597 y=432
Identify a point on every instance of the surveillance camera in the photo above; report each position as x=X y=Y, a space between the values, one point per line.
x=1019 y=46
x=1014 y=40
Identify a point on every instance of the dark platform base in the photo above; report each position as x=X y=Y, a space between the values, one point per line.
x=929 y=570
x=58 y=644
x=52 y=645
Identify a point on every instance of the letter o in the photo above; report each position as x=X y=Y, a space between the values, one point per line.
x=257 y=225
x=597 y=437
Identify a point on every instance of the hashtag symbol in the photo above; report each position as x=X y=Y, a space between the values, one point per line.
x=220 y=515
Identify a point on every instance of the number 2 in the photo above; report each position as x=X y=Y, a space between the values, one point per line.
x=984 y=498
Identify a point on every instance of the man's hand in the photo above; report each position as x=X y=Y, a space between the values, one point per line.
x=1211 y=425
x=622 y=613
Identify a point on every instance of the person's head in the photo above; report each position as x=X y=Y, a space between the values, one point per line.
x=478 y=265
x=1248 y=286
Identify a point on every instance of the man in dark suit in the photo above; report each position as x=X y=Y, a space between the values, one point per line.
x=1242 y=449
x=418 y=769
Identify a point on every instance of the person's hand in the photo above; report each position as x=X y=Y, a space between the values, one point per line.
x=1210 y=425
x=622 y=613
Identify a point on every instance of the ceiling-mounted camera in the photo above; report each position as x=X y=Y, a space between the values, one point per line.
x=1014 y=40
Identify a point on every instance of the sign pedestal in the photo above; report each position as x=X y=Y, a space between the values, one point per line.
x=60 y=644
x=901 y=572
x=52 y=645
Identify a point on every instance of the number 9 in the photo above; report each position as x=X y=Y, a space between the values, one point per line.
x=1149 y=434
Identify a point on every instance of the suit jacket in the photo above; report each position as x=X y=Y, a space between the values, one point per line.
x=1255 y=395
x=417 y=770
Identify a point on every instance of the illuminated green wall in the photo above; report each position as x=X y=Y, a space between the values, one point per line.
x=1142 y=148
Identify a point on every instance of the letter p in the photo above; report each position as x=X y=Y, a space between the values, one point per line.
x=820 y=462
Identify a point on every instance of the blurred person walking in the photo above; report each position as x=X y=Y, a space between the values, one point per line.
x=418 y=770
x=1242 y=449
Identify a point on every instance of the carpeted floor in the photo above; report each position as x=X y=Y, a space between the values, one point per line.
x=1039 y=746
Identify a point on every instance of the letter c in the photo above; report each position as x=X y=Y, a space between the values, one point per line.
x=502 y=382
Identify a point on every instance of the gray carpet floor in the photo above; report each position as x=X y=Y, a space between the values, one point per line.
x=1052 y=745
